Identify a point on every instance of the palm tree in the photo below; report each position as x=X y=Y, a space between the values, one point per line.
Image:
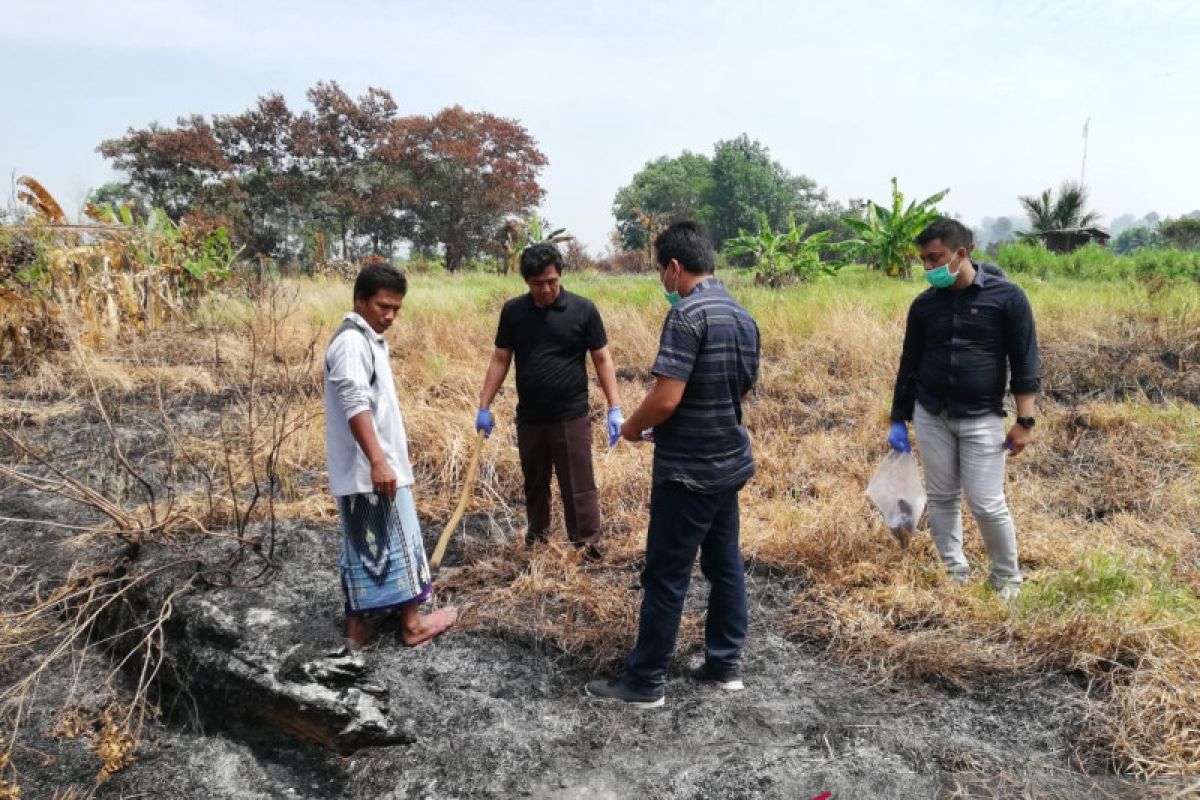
x=1049 y=213
x=1040 y=211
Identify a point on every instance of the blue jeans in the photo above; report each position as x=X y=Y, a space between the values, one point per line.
x=681 y=522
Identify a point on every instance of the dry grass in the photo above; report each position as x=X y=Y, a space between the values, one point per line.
x=221 y=408
x=1106 y=508
x=1106 y=503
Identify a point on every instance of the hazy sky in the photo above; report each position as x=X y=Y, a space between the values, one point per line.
x=987 y=98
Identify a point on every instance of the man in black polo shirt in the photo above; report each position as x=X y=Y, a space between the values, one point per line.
x=707 y=362
x=965 y=338
x=549 y=330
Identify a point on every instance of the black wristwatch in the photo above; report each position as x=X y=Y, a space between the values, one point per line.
x=1026 y=422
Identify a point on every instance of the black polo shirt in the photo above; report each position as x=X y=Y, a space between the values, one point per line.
x=548 y=346
x=961 y=347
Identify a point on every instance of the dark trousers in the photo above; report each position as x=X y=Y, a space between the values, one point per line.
x=566 y=449
x=682 y=521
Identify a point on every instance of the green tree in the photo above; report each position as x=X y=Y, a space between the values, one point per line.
x=258 y=146
x=666 y=189
x=1068 y=210
x=1183 y=232
x=725 y=193
x=884 y=236
x=746 y=181
x=780 y=255
x=1137 y=238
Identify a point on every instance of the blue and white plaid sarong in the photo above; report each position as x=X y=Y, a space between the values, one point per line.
x=383 y=562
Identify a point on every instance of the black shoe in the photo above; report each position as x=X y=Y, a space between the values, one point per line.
x=706 y=675
x=592 y=554
x=615 y=690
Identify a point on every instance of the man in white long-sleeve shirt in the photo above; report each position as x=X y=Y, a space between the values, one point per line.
x=383 y=566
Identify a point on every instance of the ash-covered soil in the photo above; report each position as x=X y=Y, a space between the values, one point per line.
x=259 y=699
x=479 y=716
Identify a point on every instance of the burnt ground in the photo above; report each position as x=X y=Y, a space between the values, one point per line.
x=481 y=716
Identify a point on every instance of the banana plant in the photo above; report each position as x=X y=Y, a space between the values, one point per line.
x=205 y=257
x=884 y=239
x=519 y=234
x=778 y=255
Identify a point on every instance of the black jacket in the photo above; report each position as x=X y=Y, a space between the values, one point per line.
x=960 y=347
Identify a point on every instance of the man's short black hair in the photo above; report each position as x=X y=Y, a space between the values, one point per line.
x=536 y=257
x=687 y=242
x=375 y=277
x=952 y=233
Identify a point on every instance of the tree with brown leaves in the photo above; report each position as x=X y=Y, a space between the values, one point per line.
x=350 y=169
x=471 y=170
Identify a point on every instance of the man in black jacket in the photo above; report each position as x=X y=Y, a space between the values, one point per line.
x=966 y=337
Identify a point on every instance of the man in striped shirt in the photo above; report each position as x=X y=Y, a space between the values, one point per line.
x=707 y=363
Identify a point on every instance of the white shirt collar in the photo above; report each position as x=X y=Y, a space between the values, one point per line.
x=357 y=319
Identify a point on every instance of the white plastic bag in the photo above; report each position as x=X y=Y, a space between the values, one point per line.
x=898 y=492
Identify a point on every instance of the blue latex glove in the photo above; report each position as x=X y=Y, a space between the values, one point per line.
x=898 y=437
x=484 y=421
x=615 y=420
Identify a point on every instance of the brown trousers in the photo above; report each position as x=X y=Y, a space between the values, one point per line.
x=565 y=448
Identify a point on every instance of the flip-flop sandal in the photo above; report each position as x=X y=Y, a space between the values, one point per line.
x=446 y=617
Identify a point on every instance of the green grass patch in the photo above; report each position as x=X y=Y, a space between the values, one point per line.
x=796 y=310
x=1097 y=263
x=1101 y=583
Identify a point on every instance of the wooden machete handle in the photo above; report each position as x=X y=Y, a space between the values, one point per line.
x=439 y=552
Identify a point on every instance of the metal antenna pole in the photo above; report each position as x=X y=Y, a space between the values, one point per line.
x=1083 y=166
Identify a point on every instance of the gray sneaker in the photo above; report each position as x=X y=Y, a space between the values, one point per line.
x=1007 y=588
x=615 y=690
x=1009 y=592
x=706 y=675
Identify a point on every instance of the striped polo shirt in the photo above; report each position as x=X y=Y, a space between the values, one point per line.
x=712 y=343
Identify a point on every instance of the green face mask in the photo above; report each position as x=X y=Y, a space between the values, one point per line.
x=672 y=297
x=941 y=277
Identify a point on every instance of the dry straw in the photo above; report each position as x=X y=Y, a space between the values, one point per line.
x=1105 y=503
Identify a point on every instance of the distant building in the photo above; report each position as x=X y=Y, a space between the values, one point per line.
x=1068 y=239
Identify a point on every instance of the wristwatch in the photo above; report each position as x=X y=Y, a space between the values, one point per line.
x=1026 y=422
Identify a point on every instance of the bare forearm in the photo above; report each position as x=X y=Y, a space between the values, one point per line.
x=362 y=427
x=647 y=416
x=656 y=409
x=606 y=374
x=1025 y=404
